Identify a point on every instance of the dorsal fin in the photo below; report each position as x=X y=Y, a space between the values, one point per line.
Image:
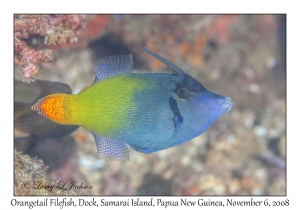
x=176 y=70
x=112 y=65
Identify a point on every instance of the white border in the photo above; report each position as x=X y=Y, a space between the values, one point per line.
x=153 y=6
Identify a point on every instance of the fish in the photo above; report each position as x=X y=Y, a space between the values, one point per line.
x=29 y=123
x=147 y=111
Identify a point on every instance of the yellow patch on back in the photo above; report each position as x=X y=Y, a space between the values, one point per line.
x=104 y=107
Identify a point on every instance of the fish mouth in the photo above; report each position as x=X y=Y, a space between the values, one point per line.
x=227 y=105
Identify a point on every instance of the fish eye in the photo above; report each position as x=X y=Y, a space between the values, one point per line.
x=183 y=92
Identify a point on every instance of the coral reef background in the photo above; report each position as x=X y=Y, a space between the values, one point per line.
x=240 y=56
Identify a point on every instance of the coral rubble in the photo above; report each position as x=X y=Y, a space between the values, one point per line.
x=54 y=29
x=31 y=178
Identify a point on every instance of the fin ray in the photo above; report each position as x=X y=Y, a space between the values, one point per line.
x=176 y=70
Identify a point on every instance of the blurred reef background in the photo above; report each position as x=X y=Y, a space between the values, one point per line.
x=240 y=56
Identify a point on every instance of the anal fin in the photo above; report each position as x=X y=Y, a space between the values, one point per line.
x=111 y=149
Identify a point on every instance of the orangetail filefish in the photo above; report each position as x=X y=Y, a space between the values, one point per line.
x=149 y=112
x=27 y=122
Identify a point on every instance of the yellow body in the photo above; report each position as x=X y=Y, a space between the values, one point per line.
x=101 y=108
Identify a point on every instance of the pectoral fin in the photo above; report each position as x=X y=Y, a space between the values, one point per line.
x=110 y=149
x=177 y=116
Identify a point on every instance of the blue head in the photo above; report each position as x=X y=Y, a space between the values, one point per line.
x=194 y=107
x=198 y=107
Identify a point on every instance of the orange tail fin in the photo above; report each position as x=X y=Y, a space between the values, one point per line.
x=55 y=107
